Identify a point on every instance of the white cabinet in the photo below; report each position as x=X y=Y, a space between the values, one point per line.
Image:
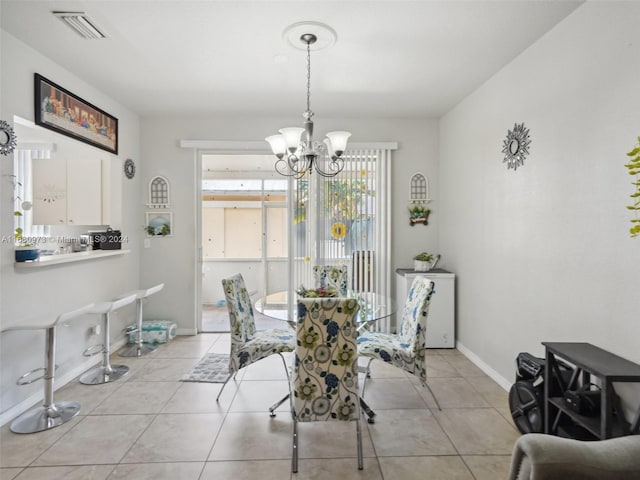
x=67 y=192
x=441 y=319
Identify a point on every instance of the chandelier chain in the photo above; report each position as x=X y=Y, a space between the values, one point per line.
x=308 y=77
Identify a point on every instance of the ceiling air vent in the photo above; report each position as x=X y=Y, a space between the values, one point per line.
x=81 y=24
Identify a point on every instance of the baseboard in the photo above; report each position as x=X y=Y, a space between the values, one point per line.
x=36 y=398
x=478 y=362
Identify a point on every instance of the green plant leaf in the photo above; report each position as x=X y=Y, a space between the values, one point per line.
x=633 y=152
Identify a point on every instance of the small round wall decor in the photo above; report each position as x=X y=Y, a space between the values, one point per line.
x=129 y=168
x=516 y=146
x=7 y=138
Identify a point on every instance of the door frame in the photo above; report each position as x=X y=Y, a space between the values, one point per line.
x=219 y=147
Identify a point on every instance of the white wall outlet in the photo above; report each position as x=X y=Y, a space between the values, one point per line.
x=147 y=243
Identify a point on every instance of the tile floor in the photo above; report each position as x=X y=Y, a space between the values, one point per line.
x=149 y=425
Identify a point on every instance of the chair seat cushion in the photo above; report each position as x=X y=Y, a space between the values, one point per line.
x=265 y=343
x=389 y=348
x=382 y=345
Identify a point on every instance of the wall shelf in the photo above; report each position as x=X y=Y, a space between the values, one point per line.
x=49 y=260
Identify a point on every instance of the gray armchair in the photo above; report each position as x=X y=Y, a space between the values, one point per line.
x=537 y=456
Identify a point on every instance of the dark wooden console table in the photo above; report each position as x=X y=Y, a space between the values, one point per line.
x=589 y=361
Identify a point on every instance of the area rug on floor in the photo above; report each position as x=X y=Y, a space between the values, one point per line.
x=212 y=368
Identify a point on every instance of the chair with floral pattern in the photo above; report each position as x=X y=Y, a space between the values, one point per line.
x=405 y=350
x=332 y=276
x=247 y=344
x=324 y=384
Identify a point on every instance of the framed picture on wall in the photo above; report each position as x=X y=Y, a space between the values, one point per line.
x=159 y=224
x=61 y=111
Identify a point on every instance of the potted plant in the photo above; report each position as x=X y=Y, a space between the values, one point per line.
x=418 y=214
x=422 y=262
x=24 y=250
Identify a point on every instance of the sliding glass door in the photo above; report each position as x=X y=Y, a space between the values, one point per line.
x=274 y=229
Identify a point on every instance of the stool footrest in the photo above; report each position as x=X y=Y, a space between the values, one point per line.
x=93 y=350
x=22 y=379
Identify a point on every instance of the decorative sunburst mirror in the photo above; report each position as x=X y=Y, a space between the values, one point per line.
x=516 y=146
x=7 y=138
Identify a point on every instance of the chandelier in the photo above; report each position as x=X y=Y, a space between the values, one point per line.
x=295 y=148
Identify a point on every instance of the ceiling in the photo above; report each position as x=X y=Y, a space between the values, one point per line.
x=392 y=58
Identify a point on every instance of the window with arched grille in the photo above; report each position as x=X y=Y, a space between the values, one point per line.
x=419 y=188
x=159 y=193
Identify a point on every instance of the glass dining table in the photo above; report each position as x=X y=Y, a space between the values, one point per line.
x=373 y=308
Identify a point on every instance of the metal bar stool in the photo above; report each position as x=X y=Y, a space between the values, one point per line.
x=139 y=349
x=105 y=372
x=49 y=414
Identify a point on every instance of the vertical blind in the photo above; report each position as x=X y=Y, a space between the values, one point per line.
x=345 y=221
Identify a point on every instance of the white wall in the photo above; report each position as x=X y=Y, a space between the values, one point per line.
x=171 y=259
x=55 y=289
x=543 y=253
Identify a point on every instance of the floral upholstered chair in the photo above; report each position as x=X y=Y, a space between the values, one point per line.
x=324 y=385
x=331 y=276
x=248 y=345
x=405 y=350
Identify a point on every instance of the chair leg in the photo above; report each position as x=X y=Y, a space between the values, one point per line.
x=367 y=410
x=359 y=435
x=367 y=375
x=294 y=456
x=433 y=395
x=224 y=385
x=286 y=367
x=272 y=408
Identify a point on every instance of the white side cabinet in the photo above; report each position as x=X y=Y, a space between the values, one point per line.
x=67 y=192
x=441 y=320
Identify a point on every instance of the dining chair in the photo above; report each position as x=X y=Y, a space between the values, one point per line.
x=324 y=384
x=247 y=344
x=331 y=276
x=405 y=350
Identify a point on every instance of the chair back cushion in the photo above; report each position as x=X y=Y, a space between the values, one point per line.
x=413 y=326
x=242 y=322
x=325 y=373
x=331 y=276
